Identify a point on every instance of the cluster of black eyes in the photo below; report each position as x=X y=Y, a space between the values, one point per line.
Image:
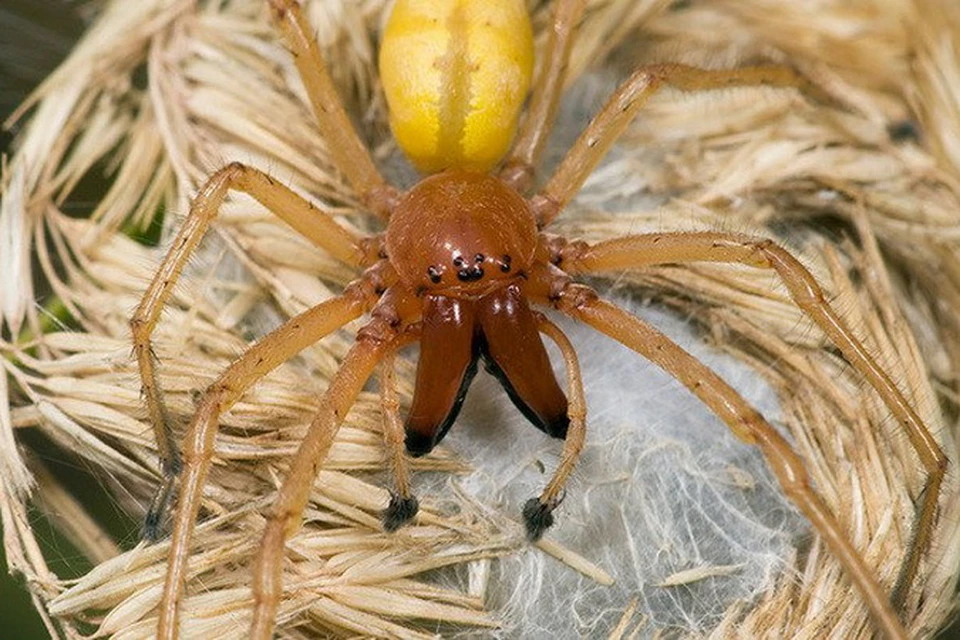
x=467 y=272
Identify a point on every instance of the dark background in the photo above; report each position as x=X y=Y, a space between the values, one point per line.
x=37 y=35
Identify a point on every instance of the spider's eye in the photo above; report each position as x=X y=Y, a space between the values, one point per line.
x=505 y=263
x=458 y=262
x=479 y=257
x=434 y=274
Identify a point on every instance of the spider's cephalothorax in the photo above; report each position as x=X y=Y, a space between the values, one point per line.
x=460 y=265
x=455 y=75
x=468 y=260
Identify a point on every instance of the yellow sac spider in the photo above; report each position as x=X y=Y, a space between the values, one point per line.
x=462 y=264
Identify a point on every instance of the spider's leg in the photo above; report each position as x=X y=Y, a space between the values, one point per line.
x=582 y=303
x=300 y=214
x=659 y=248
x=273 y=349
x=620 y=109
x=538 y=511
x=544 y=98
x=349 y=154
x=403 y=505
x=375 y=340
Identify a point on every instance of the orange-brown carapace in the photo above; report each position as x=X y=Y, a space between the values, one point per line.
x=468 y=260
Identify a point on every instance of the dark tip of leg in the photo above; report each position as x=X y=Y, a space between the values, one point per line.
x=152 y=529
x=158 y=511
x=172 y=466
x=156 y=517
x=538 y=517
x=398 y=512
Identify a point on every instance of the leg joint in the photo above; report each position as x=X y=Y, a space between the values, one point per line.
x=561 y=251
x=518 y=175
x=379 y=331
x=139 y=326
x=279 y=8
x=544 y=209
x=234 y=169
x=372 y=284
x=569 y=296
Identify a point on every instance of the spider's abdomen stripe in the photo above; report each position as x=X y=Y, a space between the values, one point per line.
x=456 y=73
x=454 y=105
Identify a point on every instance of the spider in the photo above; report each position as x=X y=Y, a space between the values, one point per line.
x=462 y=262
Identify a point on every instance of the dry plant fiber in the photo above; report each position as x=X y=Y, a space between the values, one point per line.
x=671 y=527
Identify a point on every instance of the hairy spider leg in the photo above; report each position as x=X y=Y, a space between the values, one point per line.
x=659 y=248
x=583 y=303
x=518 y=169
x=380 y=337
x=348 y=152
x=538 y=512
x=276 y=347
x=351 y=157
x=314 y=224
x=620 y=109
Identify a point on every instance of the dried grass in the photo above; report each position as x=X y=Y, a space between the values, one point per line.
x=220 y=87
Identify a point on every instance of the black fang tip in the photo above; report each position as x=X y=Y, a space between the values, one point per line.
x=418 y=444
x=557 y=427
x=537 y=517
x=398 y=512
x=152 y=529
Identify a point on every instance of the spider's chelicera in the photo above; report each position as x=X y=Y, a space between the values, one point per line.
x=461 y=266
x=476 y=307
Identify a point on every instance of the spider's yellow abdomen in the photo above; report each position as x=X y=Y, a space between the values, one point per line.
x=456 y=73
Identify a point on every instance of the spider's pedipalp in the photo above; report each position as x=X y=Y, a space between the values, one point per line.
x=576 y=433
x=403 y=505
x=537 y=518
x=377 y=339
x=399 y=512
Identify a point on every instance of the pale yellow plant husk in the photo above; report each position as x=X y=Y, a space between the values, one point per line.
x=220 y=87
